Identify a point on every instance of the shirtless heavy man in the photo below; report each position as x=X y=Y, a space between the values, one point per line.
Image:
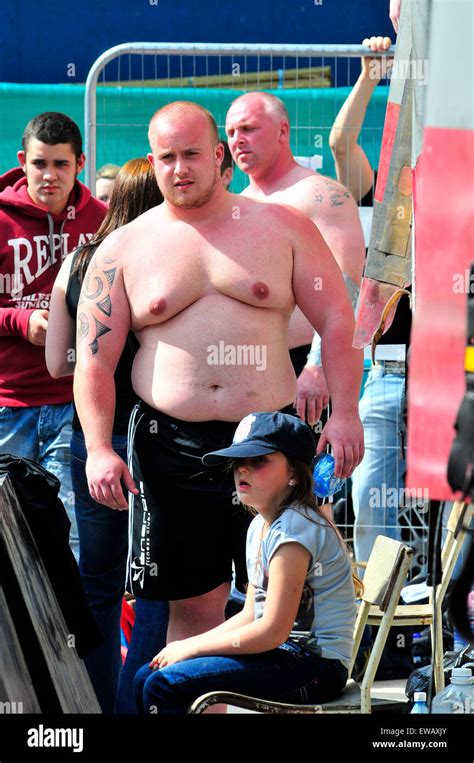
x=257 y=127
x=208 y=281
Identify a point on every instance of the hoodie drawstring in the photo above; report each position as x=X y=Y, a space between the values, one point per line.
x=51 y=237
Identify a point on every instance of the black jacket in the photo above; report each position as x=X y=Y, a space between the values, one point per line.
x=37 y=492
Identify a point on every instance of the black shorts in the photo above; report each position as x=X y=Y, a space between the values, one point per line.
x=186 y=524
x=299 y=358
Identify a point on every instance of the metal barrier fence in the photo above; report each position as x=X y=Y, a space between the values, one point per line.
x=129 y=82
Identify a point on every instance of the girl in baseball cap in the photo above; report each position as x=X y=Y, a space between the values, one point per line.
x=293 y=640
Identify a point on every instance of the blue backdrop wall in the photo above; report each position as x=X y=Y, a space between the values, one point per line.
x=40 y=40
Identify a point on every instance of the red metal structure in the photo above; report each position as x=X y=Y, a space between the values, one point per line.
x=430 y=126
x=444 y=238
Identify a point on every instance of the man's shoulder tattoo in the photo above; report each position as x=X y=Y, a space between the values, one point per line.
x=95 y=296
x=335 y=194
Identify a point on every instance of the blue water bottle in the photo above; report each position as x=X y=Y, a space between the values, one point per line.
x=420 y=707
x=325 y=483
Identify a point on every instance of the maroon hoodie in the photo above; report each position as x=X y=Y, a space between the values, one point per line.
x=33 y=243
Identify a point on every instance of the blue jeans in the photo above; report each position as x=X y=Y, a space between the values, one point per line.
x=287 y=674
x=43 y=434
x=103 y=535
x=378 y=481
x=148 y=638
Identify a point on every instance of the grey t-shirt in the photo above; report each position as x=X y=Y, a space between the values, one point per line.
x=326 y=615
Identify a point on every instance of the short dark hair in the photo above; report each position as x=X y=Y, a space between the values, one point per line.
x=227 y=160
x=52 y=127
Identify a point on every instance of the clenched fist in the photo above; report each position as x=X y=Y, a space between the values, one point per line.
x=37 y=327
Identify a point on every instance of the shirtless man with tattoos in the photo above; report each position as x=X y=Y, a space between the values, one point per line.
x=257 y=127
x=204 y=280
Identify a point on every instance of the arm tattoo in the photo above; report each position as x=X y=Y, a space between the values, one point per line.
x=89 y=292
x=110 y=274
x=105 y=306
x=337 y=196
x=99 y=279
x=100 y=331
x=83 y=325
x=104 y=259
x=96 y=289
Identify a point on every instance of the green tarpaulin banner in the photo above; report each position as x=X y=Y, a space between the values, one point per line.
x=123 y=114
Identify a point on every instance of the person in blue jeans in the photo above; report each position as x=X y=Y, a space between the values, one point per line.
x=293 y=640
x=45 y=212
x=43 y=434
x=378 y=481
x=103 y=532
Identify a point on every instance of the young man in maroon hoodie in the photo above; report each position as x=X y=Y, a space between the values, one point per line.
x=45 y=212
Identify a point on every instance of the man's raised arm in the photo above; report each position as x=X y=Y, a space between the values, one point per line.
x=103 y=322
x=322 y=296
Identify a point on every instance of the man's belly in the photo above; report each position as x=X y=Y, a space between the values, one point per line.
x=219 y=360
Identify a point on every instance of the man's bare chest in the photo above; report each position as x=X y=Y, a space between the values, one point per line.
x=168 y=274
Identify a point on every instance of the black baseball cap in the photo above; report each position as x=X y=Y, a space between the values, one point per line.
x=260 y=433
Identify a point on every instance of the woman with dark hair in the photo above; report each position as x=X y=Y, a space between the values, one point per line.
x=103 y=533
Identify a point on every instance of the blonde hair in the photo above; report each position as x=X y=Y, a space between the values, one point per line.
x=275 y=108
x=272 y=106
x=108 y=172
x=182 y=109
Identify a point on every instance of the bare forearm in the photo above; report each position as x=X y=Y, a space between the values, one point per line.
x=348 y=123
x=94 y=395
x=250 y=638
x=237 y=621
x=342 y=365
x=66 y=369
x=314 y=356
